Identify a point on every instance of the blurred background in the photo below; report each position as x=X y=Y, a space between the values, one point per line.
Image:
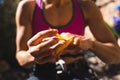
x=10 y=69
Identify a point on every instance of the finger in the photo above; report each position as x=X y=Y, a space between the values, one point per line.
x=76 y=40
x=44 y=46
x=47 y=44
x=42 y=34
x=58 y=49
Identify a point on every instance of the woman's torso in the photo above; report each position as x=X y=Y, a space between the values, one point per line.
x=75 y=25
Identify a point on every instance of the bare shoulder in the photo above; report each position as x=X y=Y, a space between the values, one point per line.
x=87 y=4
x=90 y=7
x=26 y=4
x=25 y=10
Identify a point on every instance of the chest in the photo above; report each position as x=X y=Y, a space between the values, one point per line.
x=67 y=19
x=58 y=16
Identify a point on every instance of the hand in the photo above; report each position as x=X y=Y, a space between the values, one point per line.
x=79 y=44
x=73 y=47
x=39 y=46
x=83 y=42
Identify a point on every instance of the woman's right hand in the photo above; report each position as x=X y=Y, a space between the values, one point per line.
x=39 y=46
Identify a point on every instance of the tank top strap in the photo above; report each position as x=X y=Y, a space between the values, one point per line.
x=39 y=3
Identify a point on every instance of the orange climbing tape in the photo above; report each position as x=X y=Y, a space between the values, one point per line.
x=62 y=47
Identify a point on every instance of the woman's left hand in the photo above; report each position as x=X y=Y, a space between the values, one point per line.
x=79 y=44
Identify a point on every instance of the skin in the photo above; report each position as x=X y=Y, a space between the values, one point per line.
x=41 y=47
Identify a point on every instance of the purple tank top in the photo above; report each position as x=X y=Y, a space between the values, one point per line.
x=75 y=26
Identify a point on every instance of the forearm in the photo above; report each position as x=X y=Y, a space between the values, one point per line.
x=107 y=52
x=24 y=58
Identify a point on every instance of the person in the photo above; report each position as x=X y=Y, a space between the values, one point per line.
x=116 y=19
x=38 y=23
x=116 y=22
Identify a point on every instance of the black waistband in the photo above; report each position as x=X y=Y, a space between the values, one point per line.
x=79 y=69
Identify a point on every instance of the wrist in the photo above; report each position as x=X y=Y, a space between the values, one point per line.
x=24 y=58
x=29 y=60
x=92 y=44
x=29 y=57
